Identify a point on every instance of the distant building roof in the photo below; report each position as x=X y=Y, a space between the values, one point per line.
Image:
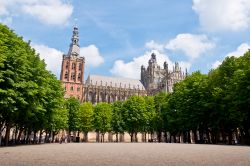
x=116 y=82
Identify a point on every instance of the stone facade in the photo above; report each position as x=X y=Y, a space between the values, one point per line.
x=157 y=79
x=109 y=89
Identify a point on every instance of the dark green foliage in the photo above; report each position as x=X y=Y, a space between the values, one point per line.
x=30 y=96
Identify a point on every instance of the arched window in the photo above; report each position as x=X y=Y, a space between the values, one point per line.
x=80 y=66
x=72 y=88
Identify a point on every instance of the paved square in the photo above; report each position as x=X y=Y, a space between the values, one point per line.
x=124 y=154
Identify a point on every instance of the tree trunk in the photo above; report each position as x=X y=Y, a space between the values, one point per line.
x=230 y=137
x=34 y=138
x=40 y=136
x=247 y=136
x=201 y=136
x=159 y=136
x=102 y=137
x=165 y=137
x=195 y=136
x=136 y=139
x=174 y=138
x=116 y=137
x=1 y=130
x=53 y=136
x=7 y=134
x=208 y=136
x=181 y=137
x=28 y=136
x=97 y=136
x=86 y=136
x=188 y=137
x=19 y=135
x=46 y=136
x=131 y=137
x=121 y=137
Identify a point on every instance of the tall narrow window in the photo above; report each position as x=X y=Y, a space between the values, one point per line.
x=79 y=77
x=66 y=75
x=73 y=66
x=72 y=88
x=67 y=65
x=80 y=66
x=73 y=76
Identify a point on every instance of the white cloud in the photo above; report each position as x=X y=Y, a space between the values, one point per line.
x=220 y=15
x=216 y=64
x=132 y=69
x=92 y=55
x=152 y=45
x=51 y=56
x=192 y=45
x=240 y=51
x=53 y=12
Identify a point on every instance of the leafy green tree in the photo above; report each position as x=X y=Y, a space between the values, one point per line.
x=102 y=118
x=151 y=116
x=74 y=120
x=117 y=122
x=28 y=92
x=86 y=119
x=159 y=99
x=135 y=115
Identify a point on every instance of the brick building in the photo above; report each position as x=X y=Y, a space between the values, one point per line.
x=99 y=88
x=72 y=70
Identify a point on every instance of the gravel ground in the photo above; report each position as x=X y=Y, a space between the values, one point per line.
x=125 y=154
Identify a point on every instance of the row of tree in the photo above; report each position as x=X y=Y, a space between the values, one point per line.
x=203 y=108
x=133 y=116
x=31 y=98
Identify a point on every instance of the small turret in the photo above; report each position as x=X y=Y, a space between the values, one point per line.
x=177 y=68
x=152 y=60
x=165 y=65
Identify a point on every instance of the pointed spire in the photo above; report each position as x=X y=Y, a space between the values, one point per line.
x=74 y=49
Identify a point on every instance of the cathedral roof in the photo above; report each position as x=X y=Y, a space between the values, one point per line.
x=115 y=82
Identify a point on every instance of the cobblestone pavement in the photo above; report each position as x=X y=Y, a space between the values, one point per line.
x=125 y=154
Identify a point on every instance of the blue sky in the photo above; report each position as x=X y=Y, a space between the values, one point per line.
x=117 y=37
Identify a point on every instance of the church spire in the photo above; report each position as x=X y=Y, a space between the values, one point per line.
x=74 y=49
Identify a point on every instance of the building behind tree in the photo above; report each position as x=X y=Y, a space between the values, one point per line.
x=98 y=88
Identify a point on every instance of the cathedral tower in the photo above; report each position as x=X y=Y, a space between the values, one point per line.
x=72 y=69
x=156 y=79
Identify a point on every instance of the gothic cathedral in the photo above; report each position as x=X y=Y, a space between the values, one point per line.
x=99 y=88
